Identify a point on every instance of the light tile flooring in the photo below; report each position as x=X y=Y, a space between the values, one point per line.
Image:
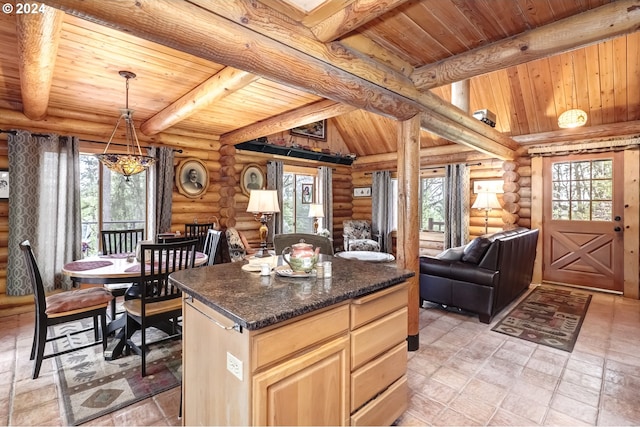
x=463 y=374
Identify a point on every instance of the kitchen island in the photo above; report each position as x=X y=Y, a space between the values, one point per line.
x=271 y=350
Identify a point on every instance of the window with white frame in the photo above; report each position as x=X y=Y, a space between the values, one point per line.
x=432 y=204
x=300 y=189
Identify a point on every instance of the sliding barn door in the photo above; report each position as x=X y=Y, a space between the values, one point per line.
x=583 y=222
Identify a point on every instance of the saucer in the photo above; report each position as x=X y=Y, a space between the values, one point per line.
x=286 y=271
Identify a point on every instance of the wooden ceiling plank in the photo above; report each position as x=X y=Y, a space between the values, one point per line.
x=210 y=36
x=620 y=111
x=38 y=39
x=594 y=113
x=607 y=87
x=217 y=87
x=351 y=17
x=633 y=75
x=608 y=21
x=311 y=113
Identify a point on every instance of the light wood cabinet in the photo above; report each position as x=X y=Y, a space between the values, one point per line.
x=340 y=365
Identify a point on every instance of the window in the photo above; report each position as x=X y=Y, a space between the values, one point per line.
x=432 y=204
x=295 y=213
x=582 y=190
x=108 y=202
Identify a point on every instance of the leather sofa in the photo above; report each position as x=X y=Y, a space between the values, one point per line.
x=482 y=277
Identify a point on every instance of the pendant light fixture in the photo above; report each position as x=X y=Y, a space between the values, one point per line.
x=133 y=162
x=574 y=117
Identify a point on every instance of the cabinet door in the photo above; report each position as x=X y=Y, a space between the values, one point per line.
x=312 y=389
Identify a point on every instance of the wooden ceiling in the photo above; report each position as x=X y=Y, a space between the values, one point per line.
x=237 y=70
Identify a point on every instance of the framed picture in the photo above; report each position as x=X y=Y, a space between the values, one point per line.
x=4 y=184
x=192 y=177
x=362 y=192
x=317 y=130
x=307 y=194
x=252 y=178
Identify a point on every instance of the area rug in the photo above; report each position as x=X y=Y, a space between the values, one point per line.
x=92 y=386
x=547 y=316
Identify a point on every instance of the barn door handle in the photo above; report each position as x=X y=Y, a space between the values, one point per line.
x=617 y=229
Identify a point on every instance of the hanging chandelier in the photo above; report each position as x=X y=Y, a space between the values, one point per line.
x=133 y=162
x=574 y=117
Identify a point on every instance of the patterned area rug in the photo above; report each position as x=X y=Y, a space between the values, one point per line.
x=547 y=316
x=92 y=386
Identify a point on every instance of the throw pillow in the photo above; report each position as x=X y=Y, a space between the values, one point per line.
x=237 y=250
x=452 y=254
x=474 y=251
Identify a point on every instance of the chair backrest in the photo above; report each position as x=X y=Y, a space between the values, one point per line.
x=281 y=241
x=199 y=232
x=34 y=277
x=211 y=245
x=357 y=228
x=120 y=241
x=158 y=260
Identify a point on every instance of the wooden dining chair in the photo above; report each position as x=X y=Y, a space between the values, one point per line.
x=120 y=241
x=160 y=303
x=211 y=245
x=60 y=308
x=199 y=232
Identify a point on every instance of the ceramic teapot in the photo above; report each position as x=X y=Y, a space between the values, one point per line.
x=301 y=256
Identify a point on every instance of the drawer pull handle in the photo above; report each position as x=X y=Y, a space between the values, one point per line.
x=235 y=326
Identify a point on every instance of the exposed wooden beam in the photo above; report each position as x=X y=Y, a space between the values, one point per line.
x=38 y=38
x=364 y=45
x=237 y=40
x=584 y=29
x=224 y=83
x=583 y=134
x=364 y=161
x=317 y=111
x=351 y=17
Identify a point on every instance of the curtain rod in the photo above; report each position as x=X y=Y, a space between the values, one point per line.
x=13 y=132
x=437 y=167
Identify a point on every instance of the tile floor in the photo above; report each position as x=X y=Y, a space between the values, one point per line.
x=463 y=374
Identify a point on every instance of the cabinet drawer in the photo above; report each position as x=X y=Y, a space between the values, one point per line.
x=373 y=306
x=386 y=408
x=377 y=375
x=377 y=337
x=287 y=340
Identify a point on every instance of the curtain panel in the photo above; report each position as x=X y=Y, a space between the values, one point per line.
x=456 y=205
x=161 y=188
x=44 y=172
x=275 y=181
x=325 y=175
x=381 y=207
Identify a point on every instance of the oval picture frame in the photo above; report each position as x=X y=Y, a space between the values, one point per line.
x=192 y=184
x=252 y=178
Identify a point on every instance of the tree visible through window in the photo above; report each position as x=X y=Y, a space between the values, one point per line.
x=123 y=204
x=432 y=204
x=295 y=214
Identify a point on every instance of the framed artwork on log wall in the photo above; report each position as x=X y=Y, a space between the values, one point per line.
x=192 y=177
x=316 y=130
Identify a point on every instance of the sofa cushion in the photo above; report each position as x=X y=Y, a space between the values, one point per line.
x=474 y=251
x=452 y=254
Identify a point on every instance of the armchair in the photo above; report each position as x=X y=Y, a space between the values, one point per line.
x=357 y=236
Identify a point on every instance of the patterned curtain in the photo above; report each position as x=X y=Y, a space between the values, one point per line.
x=161 y=187
x=275 y=177
x=381 y=208
x=44 y=196
x=326 y=196
x=456 y=205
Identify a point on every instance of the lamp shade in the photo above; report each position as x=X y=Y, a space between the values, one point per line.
x=316 y=210
x=486 y=201
x=263 y=201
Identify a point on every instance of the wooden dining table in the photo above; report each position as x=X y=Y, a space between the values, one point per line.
x=112 y=269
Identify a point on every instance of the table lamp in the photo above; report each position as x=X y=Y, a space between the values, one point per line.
x=486 y=201
x=263 y=204
x=316 y=211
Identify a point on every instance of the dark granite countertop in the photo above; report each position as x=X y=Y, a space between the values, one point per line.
x=255 y=301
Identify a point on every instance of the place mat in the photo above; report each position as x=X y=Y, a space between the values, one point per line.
x=118 y=256
x=86 y=265
x=92 y=386
x=547 y=316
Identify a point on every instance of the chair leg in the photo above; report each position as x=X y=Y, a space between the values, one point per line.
x=143 y=347
x=96 y=334
x=42 y=342
x=103 y=329
x=35 y=340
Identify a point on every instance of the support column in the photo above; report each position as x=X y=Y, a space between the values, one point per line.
x=408 y=218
